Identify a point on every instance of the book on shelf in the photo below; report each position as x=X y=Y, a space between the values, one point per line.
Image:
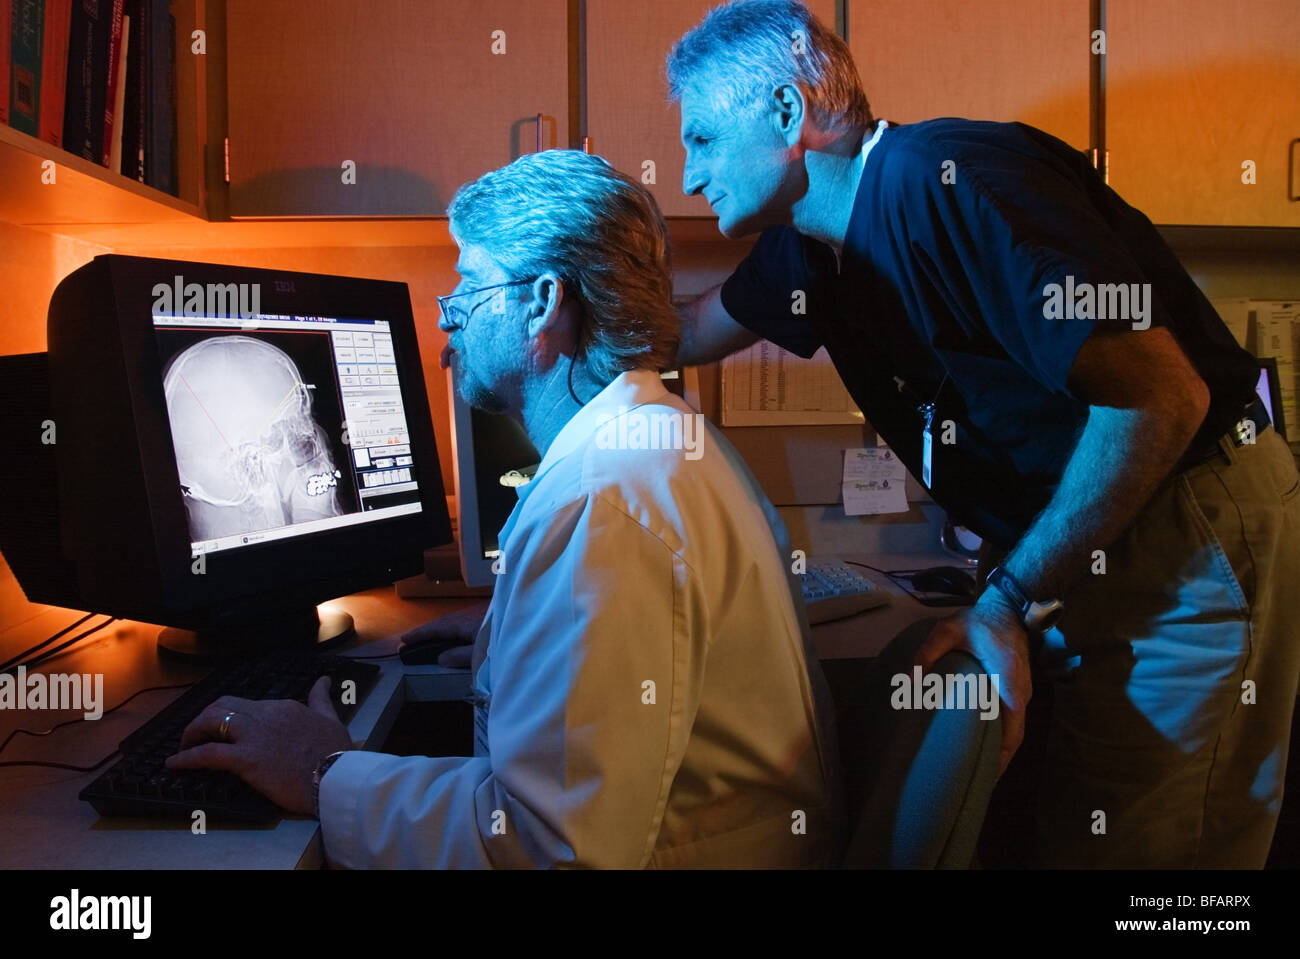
x=54 y=70
x=110 y=94
x=25 y=51
x=160 y=117
x=89 y=49
x=136 y=100
x=6 y=21
x=119 y=98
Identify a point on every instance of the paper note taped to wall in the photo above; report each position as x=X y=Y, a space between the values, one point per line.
x=768 y=386
x=1235 y=313
x=874 y=482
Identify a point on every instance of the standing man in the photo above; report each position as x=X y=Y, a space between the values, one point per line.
x=1038 y=357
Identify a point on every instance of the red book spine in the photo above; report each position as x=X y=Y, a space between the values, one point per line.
x=115 y=48
x=54 y=69
x=6 y=19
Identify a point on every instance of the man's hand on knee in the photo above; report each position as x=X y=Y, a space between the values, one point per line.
x=992 y=632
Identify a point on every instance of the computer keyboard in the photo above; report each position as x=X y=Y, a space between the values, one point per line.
x=140 y=784
x=834 y=590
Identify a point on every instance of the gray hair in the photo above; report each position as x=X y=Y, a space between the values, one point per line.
x=601 y=231
x=746 y=49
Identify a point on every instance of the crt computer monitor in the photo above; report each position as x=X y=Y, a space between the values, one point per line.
x=493 y=457
x=237 y=445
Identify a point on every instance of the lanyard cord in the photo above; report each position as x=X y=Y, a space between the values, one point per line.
x=925 y=409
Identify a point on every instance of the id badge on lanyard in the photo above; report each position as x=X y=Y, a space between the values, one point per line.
x=927 y=445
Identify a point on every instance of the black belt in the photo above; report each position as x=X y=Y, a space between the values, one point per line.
x=1254 y=411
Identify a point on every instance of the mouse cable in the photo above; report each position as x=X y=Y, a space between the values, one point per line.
x=895 y=575
x=71 y=722
x=891 y=573
x=898 y=575
x=39 y=646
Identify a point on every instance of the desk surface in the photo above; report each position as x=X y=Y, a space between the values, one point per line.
x=44 y=825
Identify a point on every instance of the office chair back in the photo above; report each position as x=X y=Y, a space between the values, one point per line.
x=919 y=780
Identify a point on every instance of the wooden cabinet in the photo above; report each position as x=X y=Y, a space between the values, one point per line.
x=1194 y=90
x=980 y=59
x=629 y=118
x=435 y=94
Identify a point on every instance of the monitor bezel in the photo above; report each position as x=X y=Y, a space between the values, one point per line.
x=475 y=568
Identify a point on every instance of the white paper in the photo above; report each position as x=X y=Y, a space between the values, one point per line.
x=1235 y=313
x=765 y=385
x=874 y=482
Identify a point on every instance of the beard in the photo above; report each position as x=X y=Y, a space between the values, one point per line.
x=472 y=390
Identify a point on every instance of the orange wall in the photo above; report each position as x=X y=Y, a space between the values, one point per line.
x=31 y=264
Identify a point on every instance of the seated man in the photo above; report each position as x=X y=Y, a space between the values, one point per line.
x=646 y=692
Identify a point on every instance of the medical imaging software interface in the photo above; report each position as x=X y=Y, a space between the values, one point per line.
x=284 y=425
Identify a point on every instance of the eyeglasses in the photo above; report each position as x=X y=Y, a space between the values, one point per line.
x=457 y=316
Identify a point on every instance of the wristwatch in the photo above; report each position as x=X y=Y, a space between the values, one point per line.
x=318 y=775
x=1036 y=617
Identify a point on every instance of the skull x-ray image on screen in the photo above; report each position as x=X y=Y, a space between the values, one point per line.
x=250 y=455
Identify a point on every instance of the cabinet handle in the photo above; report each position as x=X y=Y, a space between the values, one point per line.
x=539 y=133
x=1290 y=172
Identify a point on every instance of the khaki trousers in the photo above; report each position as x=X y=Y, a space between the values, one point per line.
x=1174 y=676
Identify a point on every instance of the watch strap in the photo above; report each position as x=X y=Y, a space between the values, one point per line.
x=1006 y=584
x=321 y=769
x=1036 y=617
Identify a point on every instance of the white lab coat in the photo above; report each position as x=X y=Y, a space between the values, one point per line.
x=645 y=697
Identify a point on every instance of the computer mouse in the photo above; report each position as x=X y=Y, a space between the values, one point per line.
x=950 y=580
x=425 y=652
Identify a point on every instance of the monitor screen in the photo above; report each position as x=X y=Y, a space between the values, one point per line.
x=225 y=471
x=504 y=460
x=285 y=426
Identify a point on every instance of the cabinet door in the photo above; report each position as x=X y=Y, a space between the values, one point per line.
x=421 y=96
x=629 y=118
x=1196 y=90
x=998 y=60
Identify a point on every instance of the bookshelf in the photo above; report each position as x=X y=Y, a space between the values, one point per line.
x=83 y=194
x=87 y=195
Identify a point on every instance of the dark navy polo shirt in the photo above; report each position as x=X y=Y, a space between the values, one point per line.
x=944 y=294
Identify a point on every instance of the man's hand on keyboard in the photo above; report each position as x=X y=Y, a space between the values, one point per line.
x=274 y=745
